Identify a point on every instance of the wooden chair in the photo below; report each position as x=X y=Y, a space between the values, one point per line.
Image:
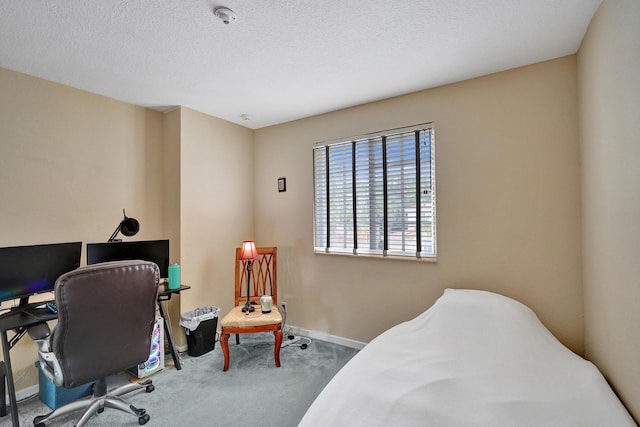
x=264 y=281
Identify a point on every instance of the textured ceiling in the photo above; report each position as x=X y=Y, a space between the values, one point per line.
x=280 y=60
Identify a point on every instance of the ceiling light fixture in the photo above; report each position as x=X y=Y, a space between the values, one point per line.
x=246 y=117
x=225 y=14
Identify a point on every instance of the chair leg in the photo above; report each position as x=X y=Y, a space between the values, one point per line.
x=276 y=348
x=128 y=388
x=98 y=401
x=78 y=405
x=92 y=409
x=224 y=343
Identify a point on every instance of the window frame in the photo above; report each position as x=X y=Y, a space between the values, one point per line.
x=424 y=206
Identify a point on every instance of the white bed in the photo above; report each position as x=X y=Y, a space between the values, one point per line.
x=474 y=358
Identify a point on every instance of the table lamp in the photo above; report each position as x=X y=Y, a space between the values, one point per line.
x=248 y=253
x=128 y=227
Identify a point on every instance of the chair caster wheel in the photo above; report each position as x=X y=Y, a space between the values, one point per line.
x=101 y=410
x=149 y=388
x=37 y=421
x=144 y=419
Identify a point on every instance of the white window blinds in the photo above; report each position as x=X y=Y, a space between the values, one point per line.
x=376 y=194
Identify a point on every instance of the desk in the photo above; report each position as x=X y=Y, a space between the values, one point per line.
x=165 y=295
x=20 y=318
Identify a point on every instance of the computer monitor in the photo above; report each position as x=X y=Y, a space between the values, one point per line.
x=30 y=270
x=148 y=250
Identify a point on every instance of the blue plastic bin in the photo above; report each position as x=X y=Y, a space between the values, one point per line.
x=54 y=396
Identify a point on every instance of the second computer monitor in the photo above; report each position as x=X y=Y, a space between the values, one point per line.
x=148 y=250
x=34 y=269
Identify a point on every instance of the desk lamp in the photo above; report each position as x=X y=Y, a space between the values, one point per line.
x=128 y=226
x=248 y=253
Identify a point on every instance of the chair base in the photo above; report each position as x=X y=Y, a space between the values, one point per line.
x=226 y=332
x=98 y=401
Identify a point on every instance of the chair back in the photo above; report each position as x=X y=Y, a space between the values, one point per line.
x=264 y=276
x=106 y=314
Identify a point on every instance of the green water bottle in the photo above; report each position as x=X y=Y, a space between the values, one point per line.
x=174 y=276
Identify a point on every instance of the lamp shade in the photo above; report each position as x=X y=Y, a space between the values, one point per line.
x=248 y=250
x=129 y=226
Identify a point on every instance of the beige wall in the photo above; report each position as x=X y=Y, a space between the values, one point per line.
x=508 y=192
x=216 y=205
x=69 y=162
x=208 y=206
x=171 y=211
x=609 y=89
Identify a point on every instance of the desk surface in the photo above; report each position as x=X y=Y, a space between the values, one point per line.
x=26 y=316
x=164 y=289
x=37 y=312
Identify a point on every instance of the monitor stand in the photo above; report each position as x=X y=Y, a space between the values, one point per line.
x=22 y=304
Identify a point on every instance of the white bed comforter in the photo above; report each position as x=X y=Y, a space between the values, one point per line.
x=474 y=358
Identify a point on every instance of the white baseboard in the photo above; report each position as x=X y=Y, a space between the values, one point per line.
x=327 y=337
x=24 y=393
x=359 y=345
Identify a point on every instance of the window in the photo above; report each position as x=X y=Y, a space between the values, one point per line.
x=375 y=194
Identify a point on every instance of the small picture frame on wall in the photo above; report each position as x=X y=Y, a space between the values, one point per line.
x=282 y=184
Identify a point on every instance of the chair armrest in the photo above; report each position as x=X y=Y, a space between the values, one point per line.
x=39 y=332
x=49 y=365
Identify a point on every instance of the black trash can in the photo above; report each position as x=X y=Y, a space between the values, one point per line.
x=200 y=327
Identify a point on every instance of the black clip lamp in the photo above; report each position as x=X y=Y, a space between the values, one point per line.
x=248 y=253
x=128 y=226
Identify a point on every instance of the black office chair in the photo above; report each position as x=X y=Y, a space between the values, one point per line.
x=106 y=314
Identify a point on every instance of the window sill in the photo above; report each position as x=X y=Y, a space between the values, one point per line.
x=378 y=256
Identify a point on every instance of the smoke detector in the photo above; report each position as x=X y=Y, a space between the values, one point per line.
x=225 y=14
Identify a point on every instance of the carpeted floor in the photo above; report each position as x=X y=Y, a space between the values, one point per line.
x=252 y=391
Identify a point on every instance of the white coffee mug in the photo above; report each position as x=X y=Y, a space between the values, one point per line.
x=265 y=303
